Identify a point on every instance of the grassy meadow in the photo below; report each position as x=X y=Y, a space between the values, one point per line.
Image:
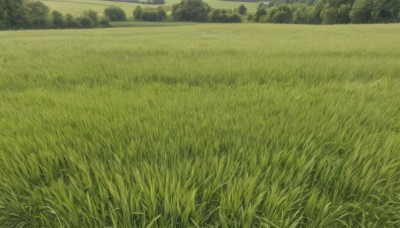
x=78 y=6
x=201 y=125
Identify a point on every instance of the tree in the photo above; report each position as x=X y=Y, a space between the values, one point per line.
x=71 y=22
x=115 y=13
x=12 y=14
x=361 y=11
x=161 y=13
x=385 y=11
x=329 y=15
x=279 y=14
x=300 y=15
x=343 y=13
x=86 y=22
x=242 y=10
x=37 y=14
x=57 y=19
x=191 y=10
x=261 y=11
x=137 y=13
x=224 y=16
x=92 y=15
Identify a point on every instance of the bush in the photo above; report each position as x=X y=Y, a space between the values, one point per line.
x=149 y=14
x=115 y=13
x=250 y=17
x=191 y=10
x=86 y=22
x=104 y=22
x=57 y=19
x=223 y=16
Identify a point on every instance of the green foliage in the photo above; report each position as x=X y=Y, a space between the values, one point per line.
x=361 y=11
x=261 y=11
x=278 y=14
x=300 y=15
x=137 y=13
x=223 y=16
x=57 y=20
x=243 y=125
x=149 y=14
x=344 y=14
x=86 y=22
x=158 y=2
x=12 y=14
x=242 y=10
x=191 y=10
x=115 y=13
x=104 y=22
x=385 y=11
x=71 y=22
x=92 y=15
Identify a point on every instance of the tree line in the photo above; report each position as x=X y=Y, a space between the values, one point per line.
x=331 y=12
x=23 y=14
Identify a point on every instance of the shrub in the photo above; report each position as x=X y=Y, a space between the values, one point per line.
x=115 y=13
x=86 y=22
x=104 y=22
x=150 y=14
x=223 y=16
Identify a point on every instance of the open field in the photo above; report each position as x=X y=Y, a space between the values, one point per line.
x=243 y=125
x=78 y=6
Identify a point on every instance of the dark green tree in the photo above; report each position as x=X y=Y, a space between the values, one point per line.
x=279 y=14
x=242 y=10
x=137 y=13
x=37 y=14
x=12 y=14
x=71 y=22
x=92 y=15
x=361 y=11
x=86 y=22
x=57 y=19
x=115 y=13
x=191 y=10
x=261 y=11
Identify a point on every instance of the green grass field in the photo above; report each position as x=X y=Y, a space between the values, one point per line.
x=78 y=6
x=243 y=125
